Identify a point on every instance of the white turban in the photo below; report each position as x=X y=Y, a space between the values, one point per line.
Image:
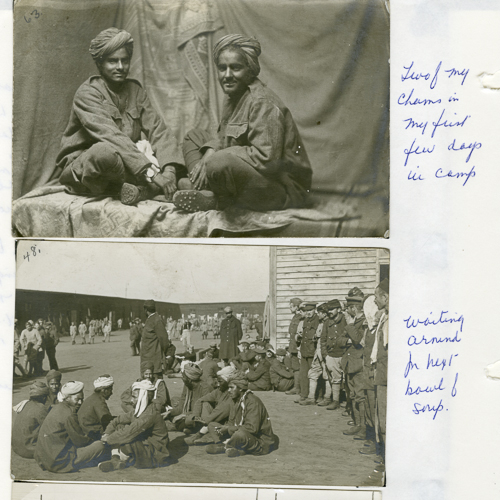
x=70 y=389
x=142 y=401
x=226 y=372
x=103 y=382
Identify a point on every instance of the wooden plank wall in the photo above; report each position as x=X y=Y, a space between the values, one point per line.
x=317 y=274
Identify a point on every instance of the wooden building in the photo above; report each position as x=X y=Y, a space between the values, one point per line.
x=318 y=274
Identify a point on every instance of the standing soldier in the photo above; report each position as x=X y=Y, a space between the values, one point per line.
x=135 y=337
x=230 y=335
x=297 y=318
x=333 y=341
x=308 y=342
x=155 y=340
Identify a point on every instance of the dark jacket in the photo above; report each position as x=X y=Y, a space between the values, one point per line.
x=278 y=371
x=230 y=334
x=259 y=376
x=221 y=403
x=333 y=338
x=146 y=435
x=251 y=414
x=96 y=117
x=26 y=427
x=94 y=415
x=187 y=401
x=308 y=341
x=154 y=341
x=59 y=437
x=210 y=369
x=352 y=360
x=292 y=330
x=261 y=131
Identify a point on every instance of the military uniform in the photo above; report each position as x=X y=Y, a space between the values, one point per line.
x=307 y=350
x=230 y=334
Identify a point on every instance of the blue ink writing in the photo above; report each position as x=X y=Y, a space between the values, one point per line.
x=413 y=124
x=436 y=363
x=418 y=408
x=447 y=124
x=412 y=340
x=454 y=388
x=468 y=175
x=410 y=366
x=414 y=323
x=405 y=101
x=413 y=176
x=472 y=146
x=427 y=389
x=416 y=151
x=454 y=72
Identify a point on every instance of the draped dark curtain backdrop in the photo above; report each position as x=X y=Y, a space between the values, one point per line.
x=328 y=60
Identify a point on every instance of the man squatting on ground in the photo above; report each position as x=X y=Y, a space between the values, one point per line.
x=258 y=160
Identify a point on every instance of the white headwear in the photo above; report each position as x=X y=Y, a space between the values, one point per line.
x=142 y=401
x=226 y=372
x=103 y=381
x=70 y=389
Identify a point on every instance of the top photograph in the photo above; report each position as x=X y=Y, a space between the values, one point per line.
x=200 y=118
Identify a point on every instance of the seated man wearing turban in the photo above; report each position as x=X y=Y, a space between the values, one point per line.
x=258 y=160
x=194 y=388
x=161 y=397
x=53 y=379
x=62 y=446
x=249 y=427
x=140 y=437
x=94 y=415
x=30 y=416
x=213 y=407
x=99 y=152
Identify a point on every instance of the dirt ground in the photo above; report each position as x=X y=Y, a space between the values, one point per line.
x=313 y=451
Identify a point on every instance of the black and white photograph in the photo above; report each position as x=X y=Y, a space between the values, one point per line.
x=201 y=118
x=200 y=364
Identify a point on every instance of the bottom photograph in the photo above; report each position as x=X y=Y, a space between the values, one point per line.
x=200 y=364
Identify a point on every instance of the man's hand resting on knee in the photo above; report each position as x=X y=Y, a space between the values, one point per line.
x=198 y=175
x=167 y=182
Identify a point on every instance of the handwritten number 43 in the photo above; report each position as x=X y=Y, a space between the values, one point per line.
x=35 y=15
x=34 y=253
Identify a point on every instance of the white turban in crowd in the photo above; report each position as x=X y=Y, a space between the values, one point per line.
x=227 y=372
x=69 y=389
x=109 y=41
x=248 y=46
x=103 y=381
x=142 y=401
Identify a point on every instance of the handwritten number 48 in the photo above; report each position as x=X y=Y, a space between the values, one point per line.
x=35 y=15
x=34 y=253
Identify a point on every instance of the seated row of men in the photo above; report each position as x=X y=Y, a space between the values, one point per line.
x=71 y=433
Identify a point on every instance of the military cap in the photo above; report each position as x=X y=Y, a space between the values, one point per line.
x=280 y=352
x=260 y=350
x=228 y=309
x=354 y=299
x=323 y=307
x=308 y=306
x=296 y=301
x=244 y=341
x=332 y=304
x=355 y=292
x=149 y=303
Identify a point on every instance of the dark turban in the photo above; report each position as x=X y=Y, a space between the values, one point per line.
x=38 y=389
x=193 y=371
x=53 y=375
x=249 y=47
x=239 y=380
x=147 y=365
x=109 y=41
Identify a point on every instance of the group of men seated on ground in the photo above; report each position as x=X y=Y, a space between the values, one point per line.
x=257 y=161
x=64 y=432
